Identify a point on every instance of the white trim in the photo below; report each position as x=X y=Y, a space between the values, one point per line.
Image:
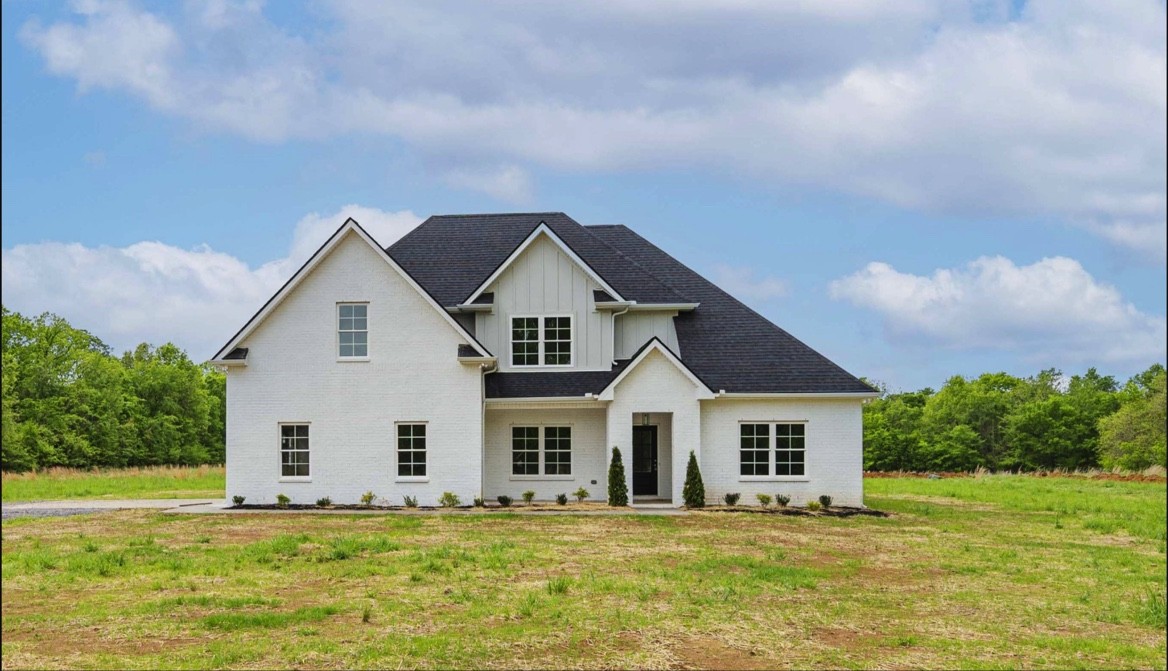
x=541 y=341
x=644 y=307
x=772 y=448
x=542 y=229
x=337 y=331
x=541 y=450
x=353 y=359
x=703 y=392
x=542 y=403
x=729 y=396
x=280 y=452
x=397 y=451
x=227 y=362
x=350 y=226
x=773 y=478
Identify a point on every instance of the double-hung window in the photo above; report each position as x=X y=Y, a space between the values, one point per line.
x=352 y=330
x=778 y=449
x=541 y=341
x=294 y=451
x=527 y=459
x=411 y=450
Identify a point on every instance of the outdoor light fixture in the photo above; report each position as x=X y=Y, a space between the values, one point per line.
x=644 y=419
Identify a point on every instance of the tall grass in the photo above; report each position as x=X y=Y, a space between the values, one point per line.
x=151 y=482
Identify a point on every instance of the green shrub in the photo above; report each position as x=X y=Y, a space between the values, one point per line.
x=368 y=498
x=528 y=497
x=731 y=499
x=581 y=494
x=324 y=502
x=562 y=499
x=479 y=502
x=282 y=500
x=825 y=500
x=764 y=500
x=694 y=492
x=411 y=501
x=618 y=486
x=504 y=500
x=782 y=500
x=238 y=500
x=449 y=500
x=813 y=506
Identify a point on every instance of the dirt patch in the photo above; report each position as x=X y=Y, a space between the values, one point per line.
x=705 y=652
x=1088 y=475
x=834 y=511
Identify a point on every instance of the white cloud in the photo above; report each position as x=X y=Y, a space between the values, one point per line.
x=1052 y=310
x=154 y=292
x=741 y=282
x=1058 y=113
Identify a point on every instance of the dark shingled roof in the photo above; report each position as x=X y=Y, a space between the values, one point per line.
x=602 y=296
x=237 y=354
x=726 y=344
x=467 y=351
x=485 y=298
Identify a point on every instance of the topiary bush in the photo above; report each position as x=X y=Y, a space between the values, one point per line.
x=618 y=486
x=694 y=492
x=504 y=500
x=581 y=494
x=825 y=501
x=528 y=497
x=764 y=500
x=732 y=499
x=562 y=499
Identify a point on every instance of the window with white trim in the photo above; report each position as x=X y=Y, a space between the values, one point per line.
x=541 y=341
x=352 y=330
x=294 y=451
x=786 y=450
x=528 y=459
x=411 y=450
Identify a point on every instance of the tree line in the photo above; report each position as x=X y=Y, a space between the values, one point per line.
x=1001 y=422
x=68 y=401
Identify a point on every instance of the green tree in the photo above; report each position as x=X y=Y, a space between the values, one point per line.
x=618 y=486
x=694 y=491
x=1134 y=436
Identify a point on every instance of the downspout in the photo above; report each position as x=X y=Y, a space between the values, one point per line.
x=614 y=316
x=487 y=369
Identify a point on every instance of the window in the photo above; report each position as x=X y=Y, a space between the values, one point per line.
x=294 y=451
x=790 y=449
x=556 y=457
x=557 y=450
x=353 y=329
x=543 y=341
x=525 y=450
x=788 y=452
x=756 y=449
x=411 y=450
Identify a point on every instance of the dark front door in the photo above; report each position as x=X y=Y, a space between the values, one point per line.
x=644 y=461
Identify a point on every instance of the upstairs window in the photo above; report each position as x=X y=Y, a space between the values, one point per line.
x=352 y=330
x=541 y=341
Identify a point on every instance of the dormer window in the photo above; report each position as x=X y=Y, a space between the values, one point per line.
x=541 y=341
x=352 y=330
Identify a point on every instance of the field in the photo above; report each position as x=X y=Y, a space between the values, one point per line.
x=990 y=572
x=158 y=482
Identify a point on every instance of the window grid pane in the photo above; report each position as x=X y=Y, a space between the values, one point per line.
x=352 y=330
x=524 y=341
x=790 y=449
x=557 y=450
x=754 y=449
x=557 y=335
x=411 y=450
x=524 y=450
x=294 y=450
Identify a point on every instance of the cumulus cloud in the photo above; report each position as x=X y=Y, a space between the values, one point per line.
x=741 y=282
x=1051 y=310
x=1056 y=112
x=155 y=292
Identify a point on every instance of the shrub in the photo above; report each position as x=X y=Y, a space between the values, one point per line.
x=694 y=492
x=367 y=498
x=324 y=502
x=781 y=500
x=581 y=494
x=282 y=500
x=411 y=501
x=731 y=499
x=528 y=497
x=764 y=500
x=504 y=500
x=562 y=499
x=825 y=500
x=238 y=500
x=479 y=502
x=618 y=486
x=813 y=505
x=449 y=500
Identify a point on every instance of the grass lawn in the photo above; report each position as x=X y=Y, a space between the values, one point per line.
x=994 y=572
x=157 y=482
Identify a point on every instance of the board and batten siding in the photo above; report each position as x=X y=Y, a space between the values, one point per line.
x=588 y=454
x=545 y=281
x=412 y=375
x=634 y=329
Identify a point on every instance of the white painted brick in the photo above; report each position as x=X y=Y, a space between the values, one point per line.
x=588 y=459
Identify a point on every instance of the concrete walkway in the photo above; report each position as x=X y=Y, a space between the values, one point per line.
x=221 y=506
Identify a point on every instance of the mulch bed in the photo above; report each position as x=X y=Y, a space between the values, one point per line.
x=834 y=511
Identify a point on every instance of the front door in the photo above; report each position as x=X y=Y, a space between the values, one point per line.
x=644 y=461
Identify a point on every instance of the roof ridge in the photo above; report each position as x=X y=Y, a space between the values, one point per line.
x=633 y=261
x=495 y=214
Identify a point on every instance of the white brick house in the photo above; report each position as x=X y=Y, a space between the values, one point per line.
x=492 y=354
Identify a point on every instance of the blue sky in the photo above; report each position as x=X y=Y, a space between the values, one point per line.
x=916 y=189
